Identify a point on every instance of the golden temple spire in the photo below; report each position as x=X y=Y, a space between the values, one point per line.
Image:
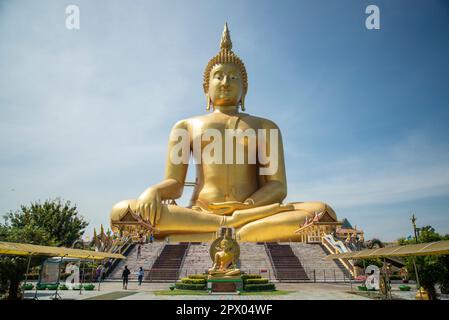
x=226 y=43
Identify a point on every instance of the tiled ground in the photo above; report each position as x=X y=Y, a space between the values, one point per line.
x=113 y=290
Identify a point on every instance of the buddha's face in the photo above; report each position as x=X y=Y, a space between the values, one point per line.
x=225 y=85
x=225 y=245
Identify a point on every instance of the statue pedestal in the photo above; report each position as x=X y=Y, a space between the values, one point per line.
x=224 y=284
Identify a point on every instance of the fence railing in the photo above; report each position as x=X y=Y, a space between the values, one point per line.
x=320 y=275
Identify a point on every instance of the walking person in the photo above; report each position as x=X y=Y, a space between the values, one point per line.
x=151 y=237
x=140 y=275
x=125 y=275
x=139 y=251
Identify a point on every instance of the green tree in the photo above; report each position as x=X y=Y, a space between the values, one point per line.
x=60 y=220
x=13 y=268
x=52 y=223
x=432 y=270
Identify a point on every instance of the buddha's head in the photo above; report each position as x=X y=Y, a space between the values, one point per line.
x=225 y=245
x=225 y=80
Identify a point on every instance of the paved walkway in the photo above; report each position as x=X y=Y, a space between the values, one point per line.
x=114 y=291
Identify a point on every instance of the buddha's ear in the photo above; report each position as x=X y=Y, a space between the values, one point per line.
x=242 y=102
x=209 y=103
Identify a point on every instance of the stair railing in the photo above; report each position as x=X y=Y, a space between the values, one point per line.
x=267 y=250
x=334 y=246
x=123 y=249
x=182 y=260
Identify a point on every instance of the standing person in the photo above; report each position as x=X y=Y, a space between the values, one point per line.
x=140 y=275
x=139 y=251
x=151 y=237
x=125 y=275
x=99 y=273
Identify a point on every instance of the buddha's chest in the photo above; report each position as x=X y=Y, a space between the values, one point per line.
x=223 y=124
x=226 y=258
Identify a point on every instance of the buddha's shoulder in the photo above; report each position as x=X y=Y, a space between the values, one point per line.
x=256 y=122
x=189 y=122
x=184 y=123
x=260 y=122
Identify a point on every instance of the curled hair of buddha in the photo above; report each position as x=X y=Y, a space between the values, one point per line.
x=226 y=55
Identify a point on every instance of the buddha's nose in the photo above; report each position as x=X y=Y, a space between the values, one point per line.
x=225 y=81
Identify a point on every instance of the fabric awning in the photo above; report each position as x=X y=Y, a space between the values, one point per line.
x=24 y=249
x=421 y=249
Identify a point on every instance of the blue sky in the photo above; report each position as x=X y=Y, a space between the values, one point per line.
x=85 y=115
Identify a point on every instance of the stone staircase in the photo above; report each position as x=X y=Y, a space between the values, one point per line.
x=197 y=260
x=254 y=260
x=291 y=261
x=168 y=264
x=315 y=264
x=148 y=254
x=285 y=263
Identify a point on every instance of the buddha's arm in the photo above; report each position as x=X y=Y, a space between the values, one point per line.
x=175 y=170
x=274 y=185
x=149 y=202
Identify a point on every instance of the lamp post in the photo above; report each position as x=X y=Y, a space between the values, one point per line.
x=413 y=219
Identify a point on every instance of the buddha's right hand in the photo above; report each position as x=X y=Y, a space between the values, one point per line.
x=149 y=206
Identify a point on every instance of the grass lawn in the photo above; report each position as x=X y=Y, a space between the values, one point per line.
x=265 y=293
x=112 y=295
x=178 y=292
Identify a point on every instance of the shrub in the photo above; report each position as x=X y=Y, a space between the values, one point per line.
x=28 y=286
x=190 y=286
x=193 y=281
x=256 y=281
x=404 y=288
x=63 y=287
x=89 y=287
x=260 y=287
x=198 y=276
x=362 y=288
x=251 y=276
x=52 y=286
x=41 y=286
x=363 y=263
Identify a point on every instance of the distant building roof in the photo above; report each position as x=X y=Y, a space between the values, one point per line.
x=346 y=224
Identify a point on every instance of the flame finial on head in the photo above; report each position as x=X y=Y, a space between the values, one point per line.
x=226 y=43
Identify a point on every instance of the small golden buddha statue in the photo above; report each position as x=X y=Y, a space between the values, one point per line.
x=234 y=194
x=224 y=258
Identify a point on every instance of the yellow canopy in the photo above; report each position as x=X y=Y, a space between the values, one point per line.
x=24 y=249
x=421 y=249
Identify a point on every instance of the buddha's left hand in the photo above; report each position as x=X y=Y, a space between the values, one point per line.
x=228 y=207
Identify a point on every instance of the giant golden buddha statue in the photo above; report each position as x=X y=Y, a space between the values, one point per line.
x=242 y=191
